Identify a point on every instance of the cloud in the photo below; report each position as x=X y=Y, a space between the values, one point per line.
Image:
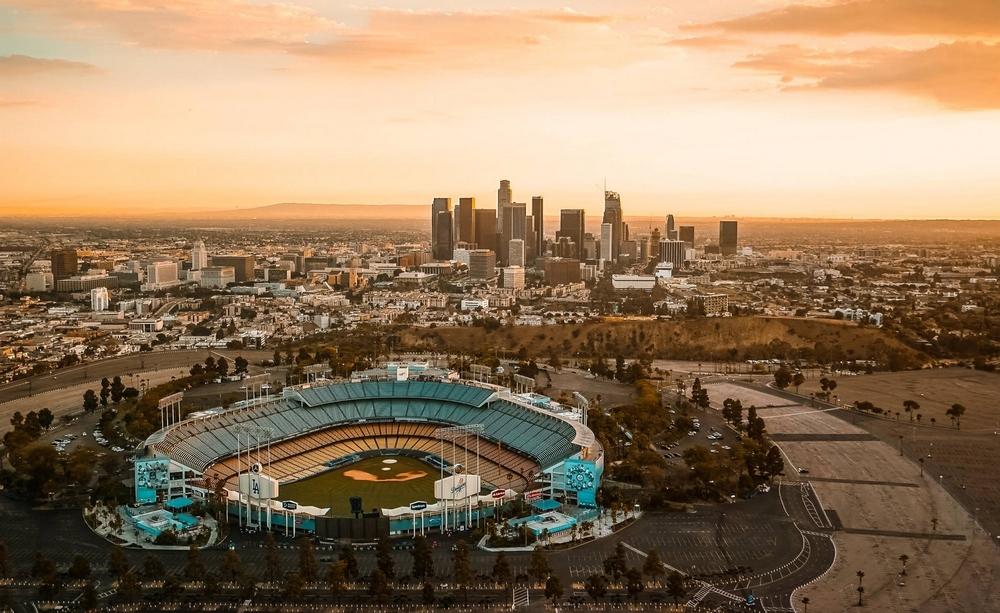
x=11 y=103
x=26 y=66
x=706 y=42
x=216 y=25
x=961 y=75
x=894 y=17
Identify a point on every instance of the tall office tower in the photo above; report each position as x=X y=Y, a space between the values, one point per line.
x=199 y=255
x=513 y=222
x=653 y=250
x=486 y=229
x=515 y=252
x=674 y=252
x=613 y=216
x=538 y=224
x=64 y=264
x=671 y=231
x=727 y=237
x=571 y=226
x=504 y=195
x=441 y=239
x=513 y=277
x=161 y=273
x=465 y=220
x=607 y=239
x=444 y=237
x=482 y=264
x=686 y=234
x=530 y=244
x=100 y=300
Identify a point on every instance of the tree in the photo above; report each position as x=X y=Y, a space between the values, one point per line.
x=88 y=599
x=45 y=418
x=80 y=568
x=798 y=379
x=308 y=567
x=653 y=567
x=129 y=589
x=782 y=377
x=956 y=412
x=293 y=586
x=152 y=568
x=232 y=566
x=616 y=565
x=117 y=562
x=553 y=589
x=774 y=464
x=538 y=567
x=903 y=559
x=194 y=570
x=596 y=586
x=462 y=569
x=4 y=560
x=676 y=586
x=272 y=561
x=241 y=364
x=911 y=407
x=117 y=389
x=378 y=585
x=43 y=568
x=501 y=569
x=383 y=558
x=350 y=562
x=197 y=370
x=336 y=574
x=222 y=367
x=90 y=401
x=423 y=559
x=427 y=594
x=276 y=358
x=634 y=583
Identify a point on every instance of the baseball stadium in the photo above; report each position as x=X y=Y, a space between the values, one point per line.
x=434 y=453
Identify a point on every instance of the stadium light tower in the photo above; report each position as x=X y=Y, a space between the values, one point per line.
x=455 y=434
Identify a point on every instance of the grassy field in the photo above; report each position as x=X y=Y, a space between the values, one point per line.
x=381 y=482
x=731 y=338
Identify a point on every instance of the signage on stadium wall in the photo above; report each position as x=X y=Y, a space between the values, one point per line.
x=498 y=494
x=290 y=505
x=258 y=486
x=457 y=487
x=533 y=495
x=418 y=505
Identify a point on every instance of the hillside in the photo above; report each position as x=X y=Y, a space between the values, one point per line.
x=352 y=212
x=735 y=339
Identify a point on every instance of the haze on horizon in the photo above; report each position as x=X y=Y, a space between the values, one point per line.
x=857 y=108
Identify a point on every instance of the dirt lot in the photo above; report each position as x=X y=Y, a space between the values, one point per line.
x=935 y=390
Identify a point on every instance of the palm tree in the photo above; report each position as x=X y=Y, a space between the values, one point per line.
x=861 y=592
x=805 y=605
x=910 y=406
x=955 y=412
x=904 y=559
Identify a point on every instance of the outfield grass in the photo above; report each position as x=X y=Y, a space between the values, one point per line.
x=334 y=488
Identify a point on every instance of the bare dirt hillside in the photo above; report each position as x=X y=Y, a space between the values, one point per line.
x=738 y=338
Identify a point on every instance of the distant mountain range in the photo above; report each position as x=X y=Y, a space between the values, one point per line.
x=300 y=210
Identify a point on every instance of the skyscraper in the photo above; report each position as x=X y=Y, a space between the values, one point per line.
x=512 y=225
x=486 y=229
x=613 y=216
x=687 y=235
x=199 y=255
x=441 y=238
x=671 y=232
x=465 y=220
x=64 y=264
x=515 y=252
x=538 y=224
x=571 y=223
x=673 y=251
x=504 y=195
x=482 y=264
x=607 y=239
x=728 y=237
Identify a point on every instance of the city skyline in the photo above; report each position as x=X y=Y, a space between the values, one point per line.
x=853 y=109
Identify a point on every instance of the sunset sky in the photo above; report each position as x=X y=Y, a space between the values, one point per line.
x=866 y=108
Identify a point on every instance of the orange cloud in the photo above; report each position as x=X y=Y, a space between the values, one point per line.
x=25 y=66
x=185 y=24
x=896 y=17
x=960 y=75
x=706 y=42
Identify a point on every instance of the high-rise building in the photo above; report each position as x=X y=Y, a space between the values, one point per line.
x=444 y=240
x=515 y=252
x=161 y=274
x=199 y=255
x=607 y=238
x=39 y=282
x=686 y=234
x=442 y=237
x=100 y=300
x=64 y=264
x=486 y=229
x=513 y=223
x=728 y=237
x=671 y=232
x=465 y=220
x=482 y=264
x=673 y=251
x=613 y=216
x=571 y=226
x=653 y=250
x=513 y=277
x=242 y=265
x=505 y=196
x=559 y=271
x=538 y=224
x=217 y=277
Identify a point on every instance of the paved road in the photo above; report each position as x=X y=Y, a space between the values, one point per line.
x=140 y=362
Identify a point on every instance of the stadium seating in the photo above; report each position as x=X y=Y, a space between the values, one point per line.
x=312 y=425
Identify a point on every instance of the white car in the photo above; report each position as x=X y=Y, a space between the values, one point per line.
x=117 y=449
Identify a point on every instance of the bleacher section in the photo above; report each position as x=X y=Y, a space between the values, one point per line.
x=303 y=420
